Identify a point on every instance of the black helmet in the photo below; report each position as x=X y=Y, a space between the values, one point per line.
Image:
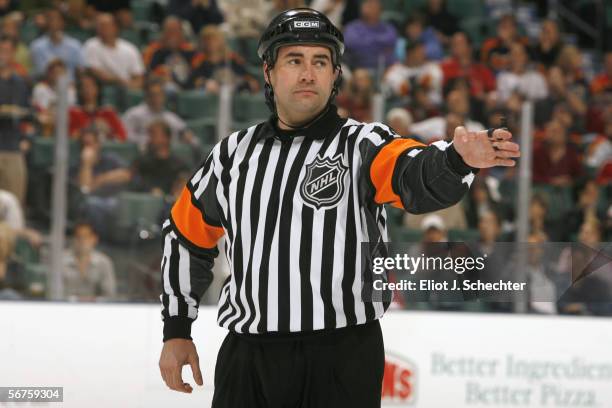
x=300 y=25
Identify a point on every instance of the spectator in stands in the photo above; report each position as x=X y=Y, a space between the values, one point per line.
x=88 y=112
x=216 y=64
x=521 y=80
x=8 y=6
x=113 y=59
x=356 y=98
x=539 y=220
x=11 y=27
x=434 y=229
x=415 y=71
x=547 y=50
x=11 y=213
x=99 y=173
x=415 y=31
x=88 y=274
x=44 y=96
x=56 y=44
x=458 y=103
x=199 y=13
x=603 y=82
x=556 y=161
x=14 y=106
x=368 y=40
x=339 y=12
x=138 y=118
x=461 y=65
x=400 y=120
x=12 y=276
x=495 y=52
x=588 y=207
x=170 y=56
x=100 y=176
x=156 y=170
x=246 y=18
x=438 y=17
x=481 y=200
x=540 y=274
x=598 y=156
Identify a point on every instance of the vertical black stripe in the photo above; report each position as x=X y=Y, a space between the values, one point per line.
x=350 y=244
x=262 y=164
x=305 y=258
x=243 y=169
x=165 y=298
x=174 y=277
x=327 y=254
x=269 y=235
x=284 y=237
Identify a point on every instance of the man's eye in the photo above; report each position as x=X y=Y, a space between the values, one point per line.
x=320 y=64
x=294 y=62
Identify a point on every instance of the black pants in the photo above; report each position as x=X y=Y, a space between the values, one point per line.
x=338 y=368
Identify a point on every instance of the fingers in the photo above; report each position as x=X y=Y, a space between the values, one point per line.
x=176 y=381
x=509 y=146
x=506 y=154
x=505 y=162
x=496 y=134
x=195 y=368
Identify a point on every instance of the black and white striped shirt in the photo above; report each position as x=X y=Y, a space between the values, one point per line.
x=294 y=208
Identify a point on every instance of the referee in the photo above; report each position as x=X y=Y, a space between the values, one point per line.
x=293 y=198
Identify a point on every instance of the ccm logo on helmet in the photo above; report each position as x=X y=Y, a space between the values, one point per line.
x=306 y=24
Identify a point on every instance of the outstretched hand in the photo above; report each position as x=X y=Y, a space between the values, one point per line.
x=479 y=151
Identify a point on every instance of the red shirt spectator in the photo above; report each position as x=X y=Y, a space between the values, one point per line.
x=90 y=113
x=555 y=161
x=461 y=64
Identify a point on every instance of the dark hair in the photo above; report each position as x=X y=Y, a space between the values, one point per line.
x=151 y=82
x=163 y=124
x=88 y=74
x=84 y=223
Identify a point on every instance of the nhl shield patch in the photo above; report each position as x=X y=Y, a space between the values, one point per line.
x=323 y=184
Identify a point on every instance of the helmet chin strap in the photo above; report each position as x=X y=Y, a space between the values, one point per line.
x=272 y=105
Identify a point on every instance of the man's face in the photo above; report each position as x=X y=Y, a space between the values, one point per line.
x=370 y=11
x=107 y=30
x=302 y=78
x=85 y=240
x=156 y=97
x=55 y=21
x=6 y=53
x=460 y=46
x=173 y=34
x=158 y=139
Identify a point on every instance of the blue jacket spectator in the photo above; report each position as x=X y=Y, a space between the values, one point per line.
x=55 y=44
x=368 y=38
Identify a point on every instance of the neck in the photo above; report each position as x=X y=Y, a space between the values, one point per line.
x=55 y=36
x=109 y=41
x=292 y=124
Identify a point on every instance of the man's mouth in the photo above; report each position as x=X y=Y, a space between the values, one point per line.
x=306 y=92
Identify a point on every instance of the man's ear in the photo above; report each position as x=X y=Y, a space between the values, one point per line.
x=265 y=72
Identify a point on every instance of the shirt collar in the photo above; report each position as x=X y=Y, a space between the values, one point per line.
x=319 y=129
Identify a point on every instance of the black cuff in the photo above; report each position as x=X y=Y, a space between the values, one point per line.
x=456 y=162
x=177 y=327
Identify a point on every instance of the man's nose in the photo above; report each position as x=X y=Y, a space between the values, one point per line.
x=307 y=74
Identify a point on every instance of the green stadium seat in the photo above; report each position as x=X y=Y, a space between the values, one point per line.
x=138 y=210
x=249 y=50
x=197 y=105
x=80 y=34
x=134 y=97
x=141 y=10
x=25 y=252
x=408 y=7
x=36 y=278
x=127 y=151
x=43 y=152
x=250 y=108
x=29 y=32
x=476 y=28
x=184 y=152
x=466 y=8
x=205 y=129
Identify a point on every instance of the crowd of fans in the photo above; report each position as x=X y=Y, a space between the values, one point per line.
x=433 y=76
